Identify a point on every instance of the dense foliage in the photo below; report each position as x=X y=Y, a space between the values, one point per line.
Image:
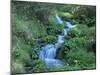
x=34 y=25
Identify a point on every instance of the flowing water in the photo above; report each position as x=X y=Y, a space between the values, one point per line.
x=59 y=20
x=48 y=52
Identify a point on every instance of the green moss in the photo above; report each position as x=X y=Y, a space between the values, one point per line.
x=65 y=14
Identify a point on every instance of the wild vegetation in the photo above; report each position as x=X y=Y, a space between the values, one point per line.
x=33 y=25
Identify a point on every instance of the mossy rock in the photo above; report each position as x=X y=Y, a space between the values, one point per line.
x=65 y=15
x=49 y=39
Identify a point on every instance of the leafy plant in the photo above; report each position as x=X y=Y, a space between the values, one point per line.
x=39 y=66
x=49 y=39
x=17 y=68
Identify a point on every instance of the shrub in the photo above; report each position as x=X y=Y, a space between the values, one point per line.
x=83 y=30
x=73 y=33
x=35 y=53
x=17 y=67
x=82 y=58
x=49 y=39
x=54 y=29
x=75 y=43
x=39 y=66
x=21 y=51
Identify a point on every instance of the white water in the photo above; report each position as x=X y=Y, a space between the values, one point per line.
x=59 y=20
x=48 y=52
x=60 y=39
x=53 y=62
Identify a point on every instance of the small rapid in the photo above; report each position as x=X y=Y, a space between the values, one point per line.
x=48 y=52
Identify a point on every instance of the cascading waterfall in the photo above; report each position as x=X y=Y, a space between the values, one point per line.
x=48 y=52
x=58 y=19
